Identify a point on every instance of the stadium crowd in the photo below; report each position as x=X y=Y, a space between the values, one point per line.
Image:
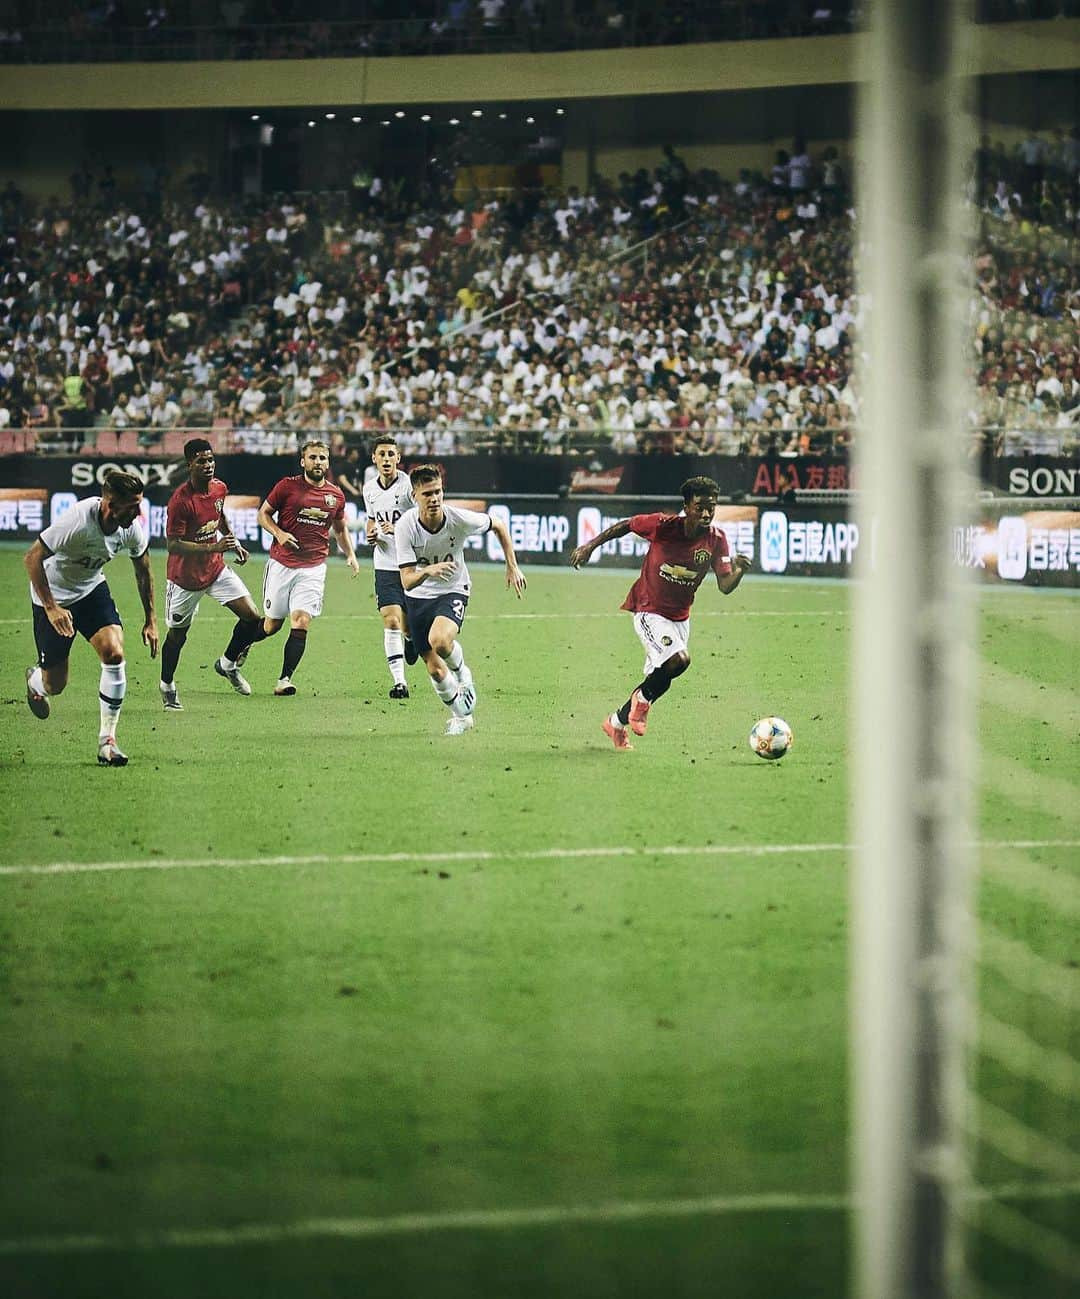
x=75 y=31
x=663 y=313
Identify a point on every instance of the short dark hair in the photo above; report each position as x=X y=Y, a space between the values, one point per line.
x=193 y=446
x=314 y=442
x=387 y=441
x=699 y=487
x=126 y=486
x=425 y=474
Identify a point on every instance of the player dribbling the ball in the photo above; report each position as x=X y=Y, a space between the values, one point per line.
x=683 y=549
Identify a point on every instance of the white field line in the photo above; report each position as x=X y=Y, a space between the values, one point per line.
x=425 y=858
x=413 y=1224
x=480 y=855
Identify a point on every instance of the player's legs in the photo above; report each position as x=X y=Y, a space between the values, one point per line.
x=108 y=642
x=443 y=638
x=181 y=606
x=233 y=595
x=667 y=656
x=390 y=598
x=50 y=675
x=296 y=594
x=435 y=625
x=295 y=645
x=250 y=627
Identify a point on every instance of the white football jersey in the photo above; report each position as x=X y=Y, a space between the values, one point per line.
x=417 y=545
x=81 y=550
x=387 y=505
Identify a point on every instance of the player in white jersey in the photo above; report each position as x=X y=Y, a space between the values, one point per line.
x=386 y=498
x=431 y=541
x=69 y=594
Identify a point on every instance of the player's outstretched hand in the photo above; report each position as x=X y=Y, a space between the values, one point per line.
x=354 y=565
x=150 y=637
x=515 y=578
x=289 y=541
x=240 y=552
x=579 y=555
x=742 y=562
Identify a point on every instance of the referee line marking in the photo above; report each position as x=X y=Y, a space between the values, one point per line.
x=412 y=1224
x=443 y=858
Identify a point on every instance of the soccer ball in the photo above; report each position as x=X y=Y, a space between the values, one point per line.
x=771 y=738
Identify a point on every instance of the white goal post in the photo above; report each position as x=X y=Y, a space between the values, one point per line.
x=912 y=723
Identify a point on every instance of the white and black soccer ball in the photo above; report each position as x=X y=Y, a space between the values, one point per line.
x=771 y=738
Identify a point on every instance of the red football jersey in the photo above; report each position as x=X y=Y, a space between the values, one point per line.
x=308 y=512
x=674 y=565
x=194 y=516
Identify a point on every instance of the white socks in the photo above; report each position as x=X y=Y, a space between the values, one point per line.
x=111 y=693
x=394 y=644
x=454 y=659
x=446 y=689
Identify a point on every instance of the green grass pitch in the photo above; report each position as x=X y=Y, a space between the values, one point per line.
x=506 y=1014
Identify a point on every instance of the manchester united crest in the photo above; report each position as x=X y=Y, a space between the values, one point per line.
x=701 y=555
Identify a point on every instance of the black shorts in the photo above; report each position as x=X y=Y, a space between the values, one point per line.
x=89 y=615
x=388 y=588
x=422 y=613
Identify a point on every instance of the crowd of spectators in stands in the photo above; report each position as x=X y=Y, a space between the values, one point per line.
x=80 y=30
x=85 y=30
x=663 y=313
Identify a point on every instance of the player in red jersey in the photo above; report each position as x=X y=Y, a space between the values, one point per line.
x=307 y=507
x=196 y=567
x=683 y=548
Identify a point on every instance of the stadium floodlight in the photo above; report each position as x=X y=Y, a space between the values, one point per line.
x=560 y=112
x=311 y=123
x=399 y=114
x=502 y=117
x=478 y=112
x=357 y=119
x=385 y=122
x=530 y=120
x=455 y=121
x=330 y=116
x=425 y=117
x=254 y=117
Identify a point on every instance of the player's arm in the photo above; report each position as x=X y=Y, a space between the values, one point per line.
x=580 y=554
x=59 y=617
x=740 y=564
x=266 y=522
x=344 y=540
x=180 y=546
x=144 y=580
x=413 y=574
x=514 y=576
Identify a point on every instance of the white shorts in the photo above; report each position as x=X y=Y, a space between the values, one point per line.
x=287 y=590
x=661 y=638
x=181 y=605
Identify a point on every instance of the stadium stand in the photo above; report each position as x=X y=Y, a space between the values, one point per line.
x=663 y=313
x=37 y=31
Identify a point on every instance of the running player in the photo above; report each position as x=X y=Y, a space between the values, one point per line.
x=196 y=567
x=69 y=594
x=683 y=548
x=431 y=554
x=386 y=498
x=307 y=508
